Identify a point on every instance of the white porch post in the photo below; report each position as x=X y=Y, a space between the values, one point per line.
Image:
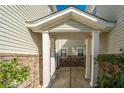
x=95 y=52
x=88 y=58
x=57 y=52
x=53 y=63
x=46 y=59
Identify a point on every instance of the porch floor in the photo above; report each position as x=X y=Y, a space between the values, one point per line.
x=70 y=77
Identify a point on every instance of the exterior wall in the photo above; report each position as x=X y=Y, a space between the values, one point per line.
x=39 y=11
x=14 y=35
x=34 y=62
x=18 y=41
x=71 y=23
x=102 y=43
x=71 y=45
x=115 y=38
x=72 y=61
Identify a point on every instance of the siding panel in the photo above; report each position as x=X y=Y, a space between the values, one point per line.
x=72 y=24
x=14 y=35
x=115 y=38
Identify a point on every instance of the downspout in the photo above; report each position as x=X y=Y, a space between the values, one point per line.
x=90 y=8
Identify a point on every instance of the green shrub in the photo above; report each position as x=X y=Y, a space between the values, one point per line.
x=111 y=58
x=104 y=81
x=120 y=58
x=115 y=79
x=11 y=73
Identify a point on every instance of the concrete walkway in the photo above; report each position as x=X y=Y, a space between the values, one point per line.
x=70 y=77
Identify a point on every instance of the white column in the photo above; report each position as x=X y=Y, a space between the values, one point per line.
x=53 y=63
x=46 y=59
x=95 y=52
x=88 y=58
x=57 y=52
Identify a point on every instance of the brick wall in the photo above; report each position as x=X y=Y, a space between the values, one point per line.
x=34 y=62
x=72 y=61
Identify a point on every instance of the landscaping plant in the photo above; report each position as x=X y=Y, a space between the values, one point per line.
x=114 y=79
x=12 y=74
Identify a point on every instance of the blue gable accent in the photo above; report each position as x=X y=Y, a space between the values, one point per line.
x=61 y=7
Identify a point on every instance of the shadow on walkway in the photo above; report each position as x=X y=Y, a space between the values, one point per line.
x=70 y=77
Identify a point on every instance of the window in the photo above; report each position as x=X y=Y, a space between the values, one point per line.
x=80 y=52
x=64 y=52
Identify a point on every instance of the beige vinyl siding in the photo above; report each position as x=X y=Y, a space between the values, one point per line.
x=71 y=23
x=115 y=38
x=102 y=43
x=39 y=11
x=71 y=45
x=15 y=37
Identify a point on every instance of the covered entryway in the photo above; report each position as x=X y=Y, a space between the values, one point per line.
x=52 y=28
x=71 y=43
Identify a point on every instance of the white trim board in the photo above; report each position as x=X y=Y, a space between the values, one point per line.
x=85 y=18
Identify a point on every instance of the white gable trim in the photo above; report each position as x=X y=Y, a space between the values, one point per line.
x=47 y=19
x=71 y=12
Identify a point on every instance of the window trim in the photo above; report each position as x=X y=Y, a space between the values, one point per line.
x=66 y=52
x=77 y=52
